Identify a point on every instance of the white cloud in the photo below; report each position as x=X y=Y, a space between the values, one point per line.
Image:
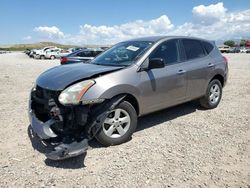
x=50 y=32
x=212 y=22
x=243 y=16
x=210 y=14
x=112 y=34
x=27 y=38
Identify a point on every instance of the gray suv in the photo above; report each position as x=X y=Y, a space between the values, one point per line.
x=102 y=99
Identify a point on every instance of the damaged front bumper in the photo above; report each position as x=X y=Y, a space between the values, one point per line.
x=42 y=129
x=68 y=130
x=59 y=150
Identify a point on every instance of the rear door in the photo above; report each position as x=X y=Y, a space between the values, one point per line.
x=166 y=86
x=198 y=63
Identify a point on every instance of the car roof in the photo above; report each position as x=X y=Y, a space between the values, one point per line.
x=150 y=39
x=157 y=38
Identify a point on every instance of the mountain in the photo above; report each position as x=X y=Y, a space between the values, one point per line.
x=20 y=47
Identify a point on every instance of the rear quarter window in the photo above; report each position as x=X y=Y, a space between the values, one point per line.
x=193 y=48
x=207 y=46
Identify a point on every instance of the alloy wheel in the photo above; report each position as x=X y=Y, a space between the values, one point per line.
x=214 y=94
x=117 y=123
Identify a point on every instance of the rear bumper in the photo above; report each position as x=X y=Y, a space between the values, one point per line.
x=226 y=76
x=42 y=129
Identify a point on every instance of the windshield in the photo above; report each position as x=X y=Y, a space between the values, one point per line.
x=122 y=54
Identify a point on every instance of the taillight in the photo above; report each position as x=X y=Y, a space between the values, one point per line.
x=225 y=60
x=64 y=60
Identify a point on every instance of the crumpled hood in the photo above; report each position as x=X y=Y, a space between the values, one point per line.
x=59 y=77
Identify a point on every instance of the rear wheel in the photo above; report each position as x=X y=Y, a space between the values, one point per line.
x=213 y=95
x=42 y=57
x=119 y=125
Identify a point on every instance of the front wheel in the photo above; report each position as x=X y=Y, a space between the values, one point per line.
x=119 y=125
x=213 y=95
x=52 y=57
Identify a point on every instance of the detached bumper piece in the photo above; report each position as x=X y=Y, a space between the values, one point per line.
x=64 y=151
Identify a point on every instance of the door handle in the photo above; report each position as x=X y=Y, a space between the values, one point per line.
x=210 y=65
x=180 y=72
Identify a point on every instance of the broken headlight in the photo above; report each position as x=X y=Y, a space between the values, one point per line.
x=74 y=93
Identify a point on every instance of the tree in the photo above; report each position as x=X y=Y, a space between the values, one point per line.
x=243 y=42
x=230 y=43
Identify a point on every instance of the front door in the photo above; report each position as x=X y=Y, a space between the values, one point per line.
x=164 y=87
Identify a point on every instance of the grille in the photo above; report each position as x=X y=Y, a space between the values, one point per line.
x=40 y=103
x=46 y=94
x=39 y=92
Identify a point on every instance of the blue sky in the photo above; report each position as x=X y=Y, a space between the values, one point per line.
x=80 y=21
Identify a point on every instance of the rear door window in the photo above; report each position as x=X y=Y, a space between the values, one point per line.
x=95 y=53
x=193 y=49
x=85 y=54
x=168 y=51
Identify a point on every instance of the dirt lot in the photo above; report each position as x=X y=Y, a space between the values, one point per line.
x=183 y=146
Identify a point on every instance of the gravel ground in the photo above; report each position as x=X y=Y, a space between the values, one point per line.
x=183 y=146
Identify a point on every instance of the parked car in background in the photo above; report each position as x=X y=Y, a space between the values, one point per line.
x=76 y=49
x=27 y=51
x=81 y=56
x=40 y=53
x=32 y=53
x=72 y=104
x=104 y=48
x=224 y=48
x=243 y=50
x=64 y=52
x=4 y=51
x=234 y=50
x=53 y=53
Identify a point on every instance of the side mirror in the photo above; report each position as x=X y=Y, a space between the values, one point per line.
x=156 y=63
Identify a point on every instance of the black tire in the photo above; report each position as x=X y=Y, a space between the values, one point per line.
x=108 y=141
x=42 y=57
x=205 y=101
x=52 y=57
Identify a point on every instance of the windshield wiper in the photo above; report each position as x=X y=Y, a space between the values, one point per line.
x=113 y=65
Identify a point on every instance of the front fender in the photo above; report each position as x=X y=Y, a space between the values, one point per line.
x=107 y=93
x=123 y=81
x=120 y=89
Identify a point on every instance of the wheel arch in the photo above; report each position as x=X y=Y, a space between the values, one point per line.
x=131 y=99
x=218 y=77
